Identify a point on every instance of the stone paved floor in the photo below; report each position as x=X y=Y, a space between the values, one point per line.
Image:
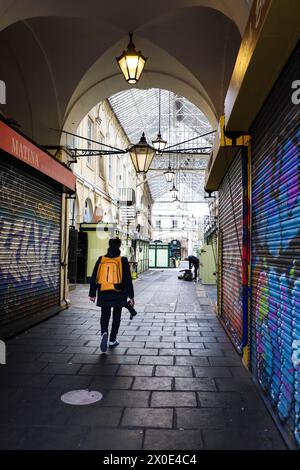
x=175 y=381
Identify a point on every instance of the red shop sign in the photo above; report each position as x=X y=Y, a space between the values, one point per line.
x=20 y=148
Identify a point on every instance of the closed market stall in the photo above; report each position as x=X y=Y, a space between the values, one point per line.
x=231 y=229
x=30 y=234
x=276 y=250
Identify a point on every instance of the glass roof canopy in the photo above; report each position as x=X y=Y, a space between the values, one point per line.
x=180 y=120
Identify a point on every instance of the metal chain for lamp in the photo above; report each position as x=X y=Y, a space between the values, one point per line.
x=169 y=125
x=169 y=174
x=159 y=108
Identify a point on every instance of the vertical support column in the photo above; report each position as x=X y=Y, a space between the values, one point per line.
x=246 y=182
x=64 y=288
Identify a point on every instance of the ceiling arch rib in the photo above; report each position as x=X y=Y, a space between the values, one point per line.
x=129 y=15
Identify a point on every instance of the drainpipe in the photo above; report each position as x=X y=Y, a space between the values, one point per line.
x=65 y=302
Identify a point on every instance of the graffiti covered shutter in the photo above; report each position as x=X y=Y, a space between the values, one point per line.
x=30 y=224
x=231 y=228
x=275 y=348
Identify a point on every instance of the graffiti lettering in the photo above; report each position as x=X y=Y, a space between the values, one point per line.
x=276 y=255
x=296 y=353
x=33 y=251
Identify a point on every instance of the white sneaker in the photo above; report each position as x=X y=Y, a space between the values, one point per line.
x=113 y=344
x=103 y=344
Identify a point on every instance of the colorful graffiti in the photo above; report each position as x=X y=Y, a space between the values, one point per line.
x=275 y=273
x=30 y=240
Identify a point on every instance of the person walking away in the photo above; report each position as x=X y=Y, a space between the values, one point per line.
x=111 y=281
x=193 y=262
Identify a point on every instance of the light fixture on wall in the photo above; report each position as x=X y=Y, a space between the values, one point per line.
x=141 y=155
x=159 y=143
x=131 y=63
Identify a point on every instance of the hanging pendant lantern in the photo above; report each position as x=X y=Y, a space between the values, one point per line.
x=131 y=63
x=159 y=143
x=142 y=155
x=169 y=175
x=174 y=192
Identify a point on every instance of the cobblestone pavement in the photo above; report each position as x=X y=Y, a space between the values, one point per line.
x=175 y=381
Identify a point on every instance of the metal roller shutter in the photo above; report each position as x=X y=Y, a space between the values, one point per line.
x=231 y=229
x=30 y=232
x=275 y=342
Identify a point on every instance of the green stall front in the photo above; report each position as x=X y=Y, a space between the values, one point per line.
x=159 y=255
x=98 y=235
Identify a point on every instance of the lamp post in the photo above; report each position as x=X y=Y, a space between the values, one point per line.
x=131 y=63
x=141 y=155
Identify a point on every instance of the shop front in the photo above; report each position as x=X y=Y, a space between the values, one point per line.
x=32 y=232
x=260 y=209
x=275 y=267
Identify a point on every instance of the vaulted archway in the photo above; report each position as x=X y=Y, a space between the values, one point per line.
x=191 y=45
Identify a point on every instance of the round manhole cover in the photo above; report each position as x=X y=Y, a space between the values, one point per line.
x=81 y=397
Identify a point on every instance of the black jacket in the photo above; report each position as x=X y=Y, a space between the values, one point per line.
x=111 y=298
x=193 y=261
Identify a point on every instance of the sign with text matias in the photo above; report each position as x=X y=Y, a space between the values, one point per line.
x=22 y=149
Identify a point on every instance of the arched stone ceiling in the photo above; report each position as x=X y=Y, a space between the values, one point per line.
x=58 y=57
x=122 y=15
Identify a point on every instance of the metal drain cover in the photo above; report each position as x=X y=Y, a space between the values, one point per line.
x=81 y=397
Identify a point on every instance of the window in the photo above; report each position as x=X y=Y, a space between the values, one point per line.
x=118 y=174
x=101 y=157
x=90 y=135
x=158 y=223
x=88 y=211
x=124 y=176
x=174 y=223
x=73 y=142
x=110 y=168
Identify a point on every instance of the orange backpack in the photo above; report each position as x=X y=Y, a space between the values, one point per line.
x=109 y=275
